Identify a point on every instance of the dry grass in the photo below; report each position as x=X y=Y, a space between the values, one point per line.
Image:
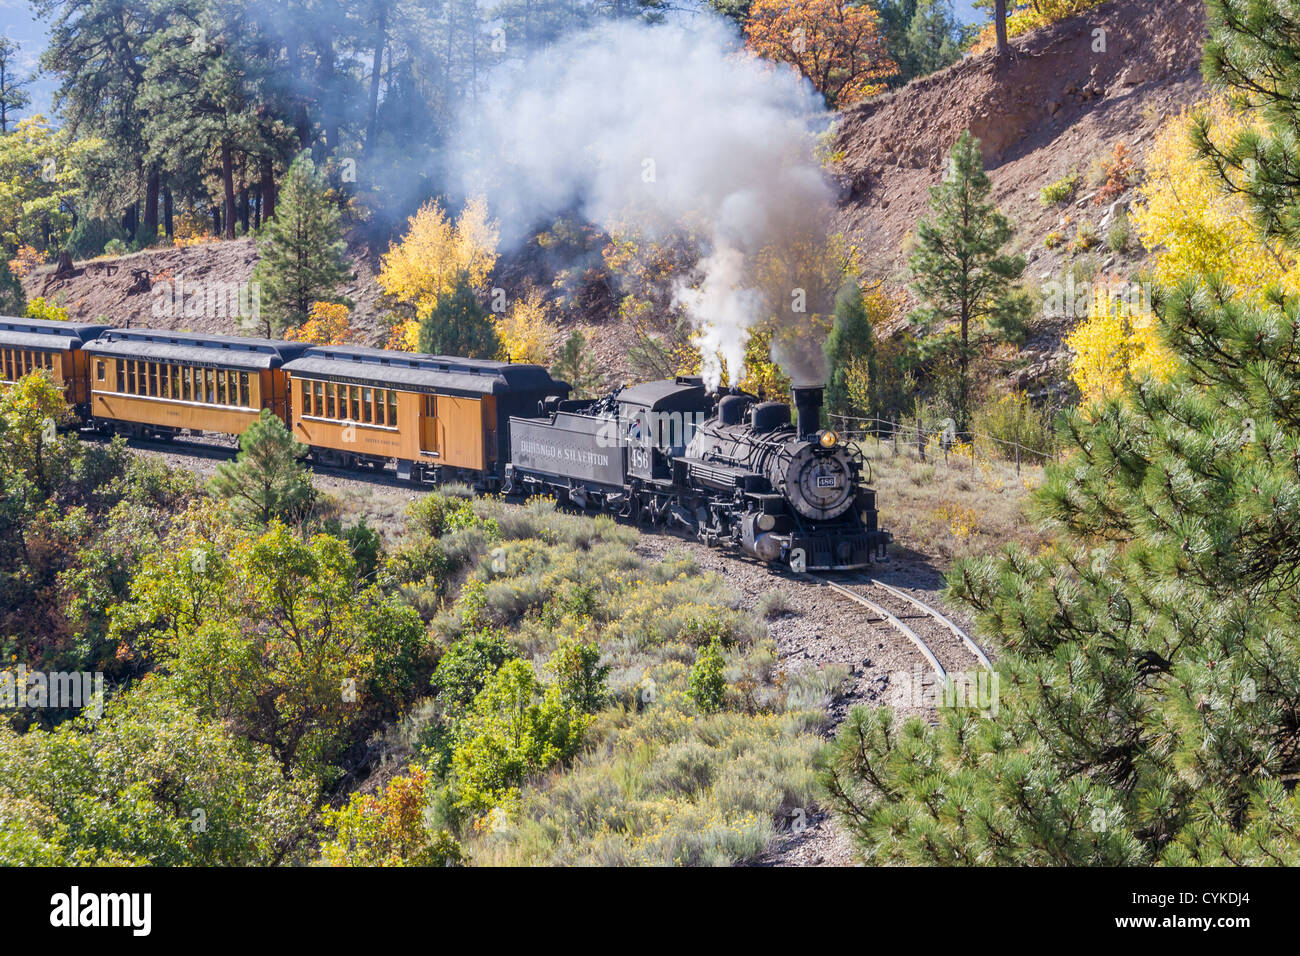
x=382 y=505
x=954 y=510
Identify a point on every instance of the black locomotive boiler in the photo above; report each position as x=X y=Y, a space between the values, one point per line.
x=735 y=470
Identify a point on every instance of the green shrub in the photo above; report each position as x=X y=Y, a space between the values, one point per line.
x=364 y=542
x=1013 y=419
x=516 y=728
x=707 y=682
x=714 y=624
x=115 y=247
x=91 y=237
x=466 y=667
x=1060 y=191
x=1118 y=236
x=437 y=514
x=579 y=674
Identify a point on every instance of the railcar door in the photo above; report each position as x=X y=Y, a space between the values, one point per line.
x=429 y=443
x=639 y=440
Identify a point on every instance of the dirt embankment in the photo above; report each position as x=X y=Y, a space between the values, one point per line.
x=144 y=289
x=1057 y=104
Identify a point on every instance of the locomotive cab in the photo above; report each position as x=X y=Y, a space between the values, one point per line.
x=657 y=421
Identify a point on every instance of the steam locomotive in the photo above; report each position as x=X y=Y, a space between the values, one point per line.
x=731 y=468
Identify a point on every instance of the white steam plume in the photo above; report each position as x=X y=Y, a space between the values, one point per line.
x=664 y=128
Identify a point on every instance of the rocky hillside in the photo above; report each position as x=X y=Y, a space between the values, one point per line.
x=1069 y=94
x=1061 y=103
x=131 y=290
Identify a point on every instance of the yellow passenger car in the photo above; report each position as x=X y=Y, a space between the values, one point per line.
x=28 y=345
x=150 y=383
x=435 y=417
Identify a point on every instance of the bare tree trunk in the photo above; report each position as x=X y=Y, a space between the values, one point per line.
x=268 y=189
x=1000 y=28
x=228 y=186
x=381 y=41
x=244 y=211
x=151 y=190
x=330 y=113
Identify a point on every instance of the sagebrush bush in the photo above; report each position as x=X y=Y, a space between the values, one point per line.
x=1060 y=191
x=1119 y=234
x=774 y=603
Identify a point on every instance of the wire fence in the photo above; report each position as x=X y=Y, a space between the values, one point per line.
x=941 y=441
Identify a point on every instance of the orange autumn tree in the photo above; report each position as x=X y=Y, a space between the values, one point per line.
x=327 y=324
x=836 y=45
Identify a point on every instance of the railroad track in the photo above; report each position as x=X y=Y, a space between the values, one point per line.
x=950 y=653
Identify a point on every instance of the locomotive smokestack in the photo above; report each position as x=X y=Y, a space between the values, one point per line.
x=808 y=406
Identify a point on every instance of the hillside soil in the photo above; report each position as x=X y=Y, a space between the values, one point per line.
x=1068 y=94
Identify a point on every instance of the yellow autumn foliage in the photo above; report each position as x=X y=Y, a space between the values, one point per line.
x=526 y=331
x=1023 y=17
x=1193 y=225
x=1118 y=341
x=404 y=336
x=435 y=252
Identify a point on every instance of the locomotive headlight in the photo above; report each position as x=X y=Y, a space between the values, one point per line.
x=766 y=522
x=828 y=439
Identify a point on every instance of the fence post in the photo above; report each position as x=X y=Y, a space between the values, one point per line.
x=1017 y=458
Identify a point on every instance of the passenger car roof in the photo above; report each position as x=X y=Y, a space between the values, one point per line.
x=17 y=332
x=230 y=351
x=423 y=373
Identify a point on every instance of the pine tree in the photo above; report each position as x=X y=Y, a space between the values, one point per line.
x=577 y=366
x=265 y=480
x=204 y=96
x=300 y=251
x=12 y=299
x=959 y=271
x=935 y=37
x=1150 y=671
x=98 y=48
x=850 y=351
x=13 y=90
x=457 y=324
x=921 y=35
